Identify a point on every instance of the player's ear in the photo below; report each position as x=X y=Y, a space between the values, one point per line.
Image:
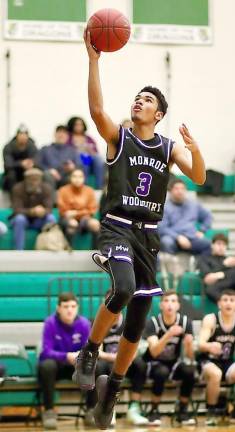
x=158 y=115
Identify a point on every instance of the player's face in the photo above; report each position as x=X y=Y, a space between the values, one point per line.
x=227 y=304
x=68 y=311
x=219 y=248
x=144 y=110
x=77 y=178
x=178 y=193
x=170 y=304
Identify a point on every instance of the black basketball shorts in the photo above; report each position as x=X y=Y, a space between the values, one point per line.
x=138 y=247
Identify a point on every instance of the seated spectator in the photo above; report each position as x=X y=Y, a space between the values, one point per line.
x=32 y=204
x=87 y=149
x=166 y=335
x=18 y=155
x=178 y=229
x=217 y=345
x=58 y=160
x=77 y=205
x=217 y=269
x=64 y=334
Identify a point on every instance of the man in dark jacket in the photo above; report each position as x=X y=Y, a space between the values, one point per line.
x=32 y=202
x=18 y=155
x=58 y=160
x=217 y=269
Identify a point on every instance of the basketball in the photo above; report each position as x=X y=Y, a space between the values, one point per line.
x=110 y=30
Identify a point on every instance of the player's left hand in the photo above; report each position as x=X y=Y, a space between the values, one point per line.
x=189 y=141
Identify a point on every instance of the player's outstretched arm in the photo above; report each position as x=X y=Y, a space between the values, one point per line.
x=194 y=169
x=107 y=129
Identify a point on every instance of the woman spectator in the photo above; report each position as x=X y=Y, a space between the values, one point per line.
x=87 y=148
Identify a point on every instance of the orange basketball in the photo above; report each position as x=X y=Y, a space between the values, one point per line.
x=110 y=30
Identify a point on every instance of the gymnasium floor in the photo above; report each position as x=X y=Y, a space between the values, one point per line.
x=68 y=426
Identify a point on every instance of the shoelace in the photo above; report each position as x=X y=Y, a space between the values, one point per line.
x=88 y=359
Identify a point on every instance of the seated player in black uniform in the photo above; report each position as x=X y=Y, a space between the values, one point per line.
x=170 y=356
x=217 y=344
x=139 y=162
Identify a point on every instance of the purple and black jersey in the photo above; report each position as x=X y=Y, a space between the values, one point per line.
x=138 y=177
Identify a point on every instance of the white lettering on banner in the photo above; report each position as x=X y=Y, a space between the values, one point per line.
x=175 y=34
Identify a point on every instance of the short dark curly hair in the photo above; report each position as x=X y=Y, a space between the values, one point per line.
x=162 y=103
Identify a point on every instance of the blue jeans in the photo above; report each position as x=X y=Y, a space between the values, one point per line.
x=21 y=222
x=200 y=246
x=96 y=167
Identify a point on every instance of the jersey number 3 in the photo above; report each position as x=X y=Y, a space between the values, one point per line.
x=145 y=183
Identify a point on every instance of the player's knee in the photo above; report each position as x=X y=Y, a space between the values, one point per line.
x=133 y=332
x=160 y=373
x=214 y=375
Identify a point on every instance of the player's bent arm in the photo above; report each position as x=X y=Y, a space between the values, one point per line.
x=188 y=346
x=156 y=345
x=194 y=169
x=208 y=324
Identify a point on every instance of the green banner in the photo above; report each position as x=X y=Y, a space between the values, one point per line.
x=47 y=10
x=179 y=12
x=61 y=20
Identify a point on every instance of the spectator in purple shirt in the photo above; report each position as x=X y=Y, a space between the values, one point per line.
x=64 y=334
x=58 y=160
x=87 y=149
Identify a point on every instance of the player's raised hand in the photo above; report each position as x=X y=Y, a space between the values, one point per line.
x=92 y=52
x=189 y=141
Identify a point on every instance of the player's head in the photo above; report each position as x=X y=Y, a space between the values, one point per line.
x=170 y=303
x=67 y=307
x=77 y=178
x=177 y=190
x=226 y=302
x=149 y=106
x=219 y=244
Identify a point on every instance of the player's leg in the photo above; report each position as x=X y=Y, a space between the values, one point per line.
x=123 y=288
x=230 y=378
x=137 y=374
x=186 y=374
x=159 y=374
x=108 y=387
x=212 y=375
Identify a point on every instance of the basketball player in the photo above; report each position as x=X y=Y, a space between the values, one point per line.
x=170 y=334
x=217 y=342
x=138 y=162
